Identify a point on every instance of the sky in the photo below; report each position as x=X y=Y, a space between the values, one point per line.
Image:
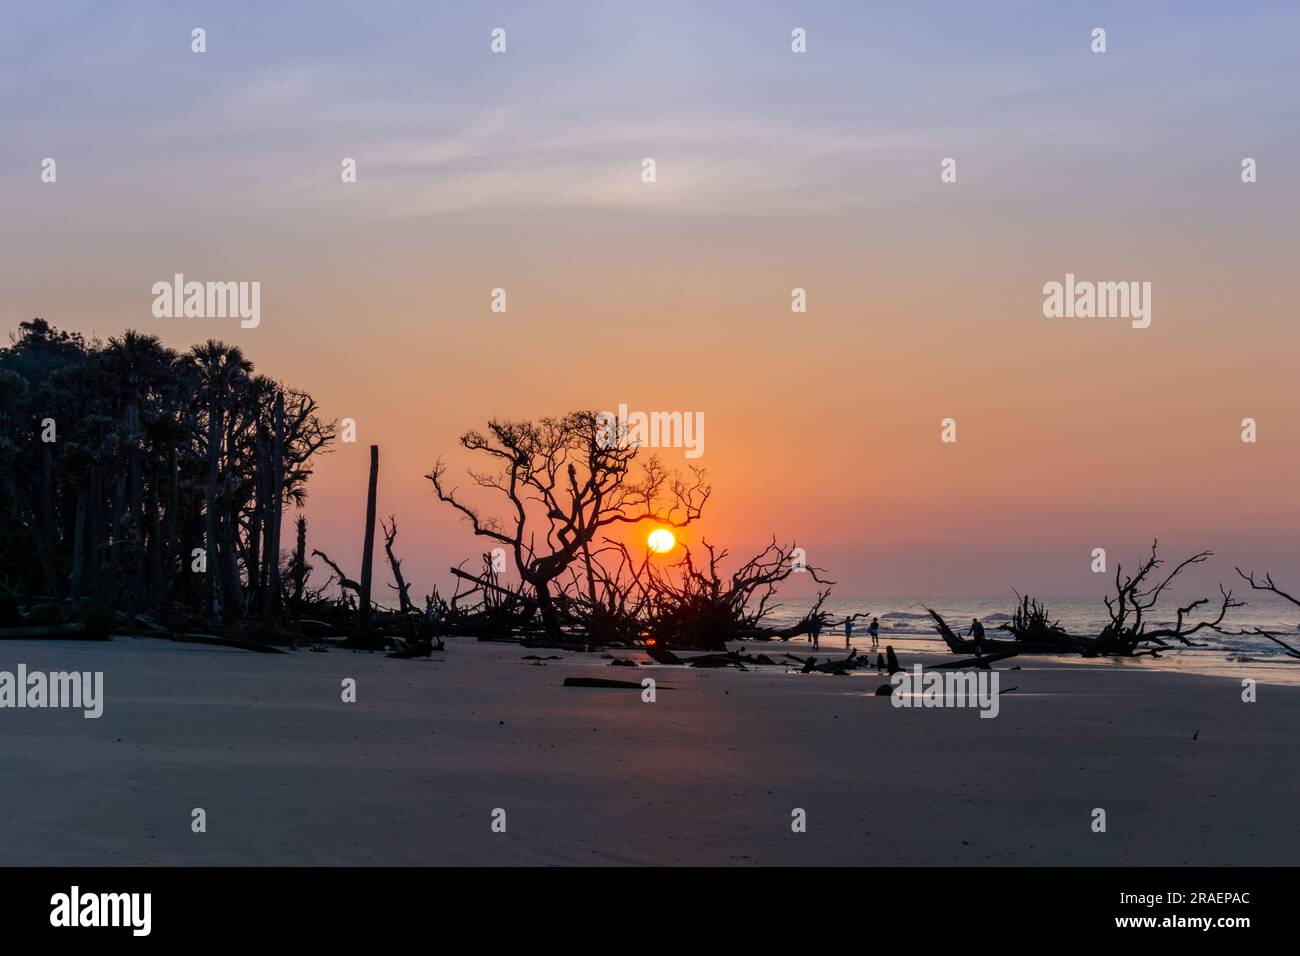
x=774 y=171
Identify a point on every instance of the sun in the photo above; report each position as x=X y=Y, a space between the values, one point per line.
x=661 y=541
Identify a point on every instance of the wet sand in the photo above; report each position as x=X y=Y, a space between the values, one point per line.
x=709 y=773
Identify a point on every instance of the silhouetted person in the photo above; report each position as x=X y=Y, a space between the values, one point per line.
x=848 y=632
x=880 y=662
x=816 y=632
x=892 y=658
x=874 y=631
x=977 y=634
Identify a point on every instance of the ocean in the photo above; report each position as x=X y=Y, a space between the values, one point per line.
x=905 y=623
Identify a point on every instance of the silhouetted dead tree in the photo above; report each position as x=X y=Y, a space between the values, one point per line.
x=446 y=615
x=816 y=621
x=501 y=610
x=1136 y=594
x=565 y=482
x=1268 y=585
x=604 y=595
x=701 y=608
x=345 y=582
x=401 y=587
x=1031 y=624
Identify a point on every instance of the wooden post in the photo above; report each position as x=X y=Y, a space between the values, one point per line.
x=368 y=546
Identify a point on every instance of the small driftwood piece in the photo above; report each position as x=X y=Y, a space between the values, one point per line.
x=605 y=682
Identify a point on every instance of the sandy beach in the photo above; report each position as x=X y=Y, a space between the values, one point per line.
x=707 y=774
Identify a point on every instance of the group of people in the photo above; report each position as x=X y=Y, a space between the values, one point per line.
x=815 y=631
x=976 y=632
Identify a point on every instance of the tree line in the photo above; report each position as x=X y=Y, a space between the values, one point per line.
x=137 y=478
x=143 y=489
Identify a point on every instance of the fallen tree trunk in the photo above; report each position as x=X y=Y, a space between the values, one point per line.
x=839 y=668
x=729 y=659
x=982 y=662
x=605 y=682
x=1061 y=643
x=226 y=642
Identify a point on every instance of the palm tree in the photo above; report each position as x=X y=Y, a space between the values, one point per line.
x=139 y=367
x=220 y=371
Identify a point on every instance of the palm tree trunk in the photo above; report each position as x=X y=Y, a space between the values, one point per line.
x=136 y=498
x=97 y=534
x=49 y=539
x=115 y=514
x=213 y=570
x=300 y=564
x=274 y=508
x=155 y=538
x=171 y=550
x=78 y=544
x=231 y=591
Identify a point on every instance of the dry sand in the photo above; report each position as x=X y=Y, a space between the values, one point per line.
x=708 y=774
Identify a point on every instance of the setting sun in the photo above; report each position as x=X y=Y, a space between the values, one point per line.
x=661 y=541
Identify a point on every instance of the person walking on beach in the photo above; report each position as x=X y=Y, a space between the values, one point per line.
x=977 y=634
x=816 y=632
x=874 y=631
x=848 y=631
